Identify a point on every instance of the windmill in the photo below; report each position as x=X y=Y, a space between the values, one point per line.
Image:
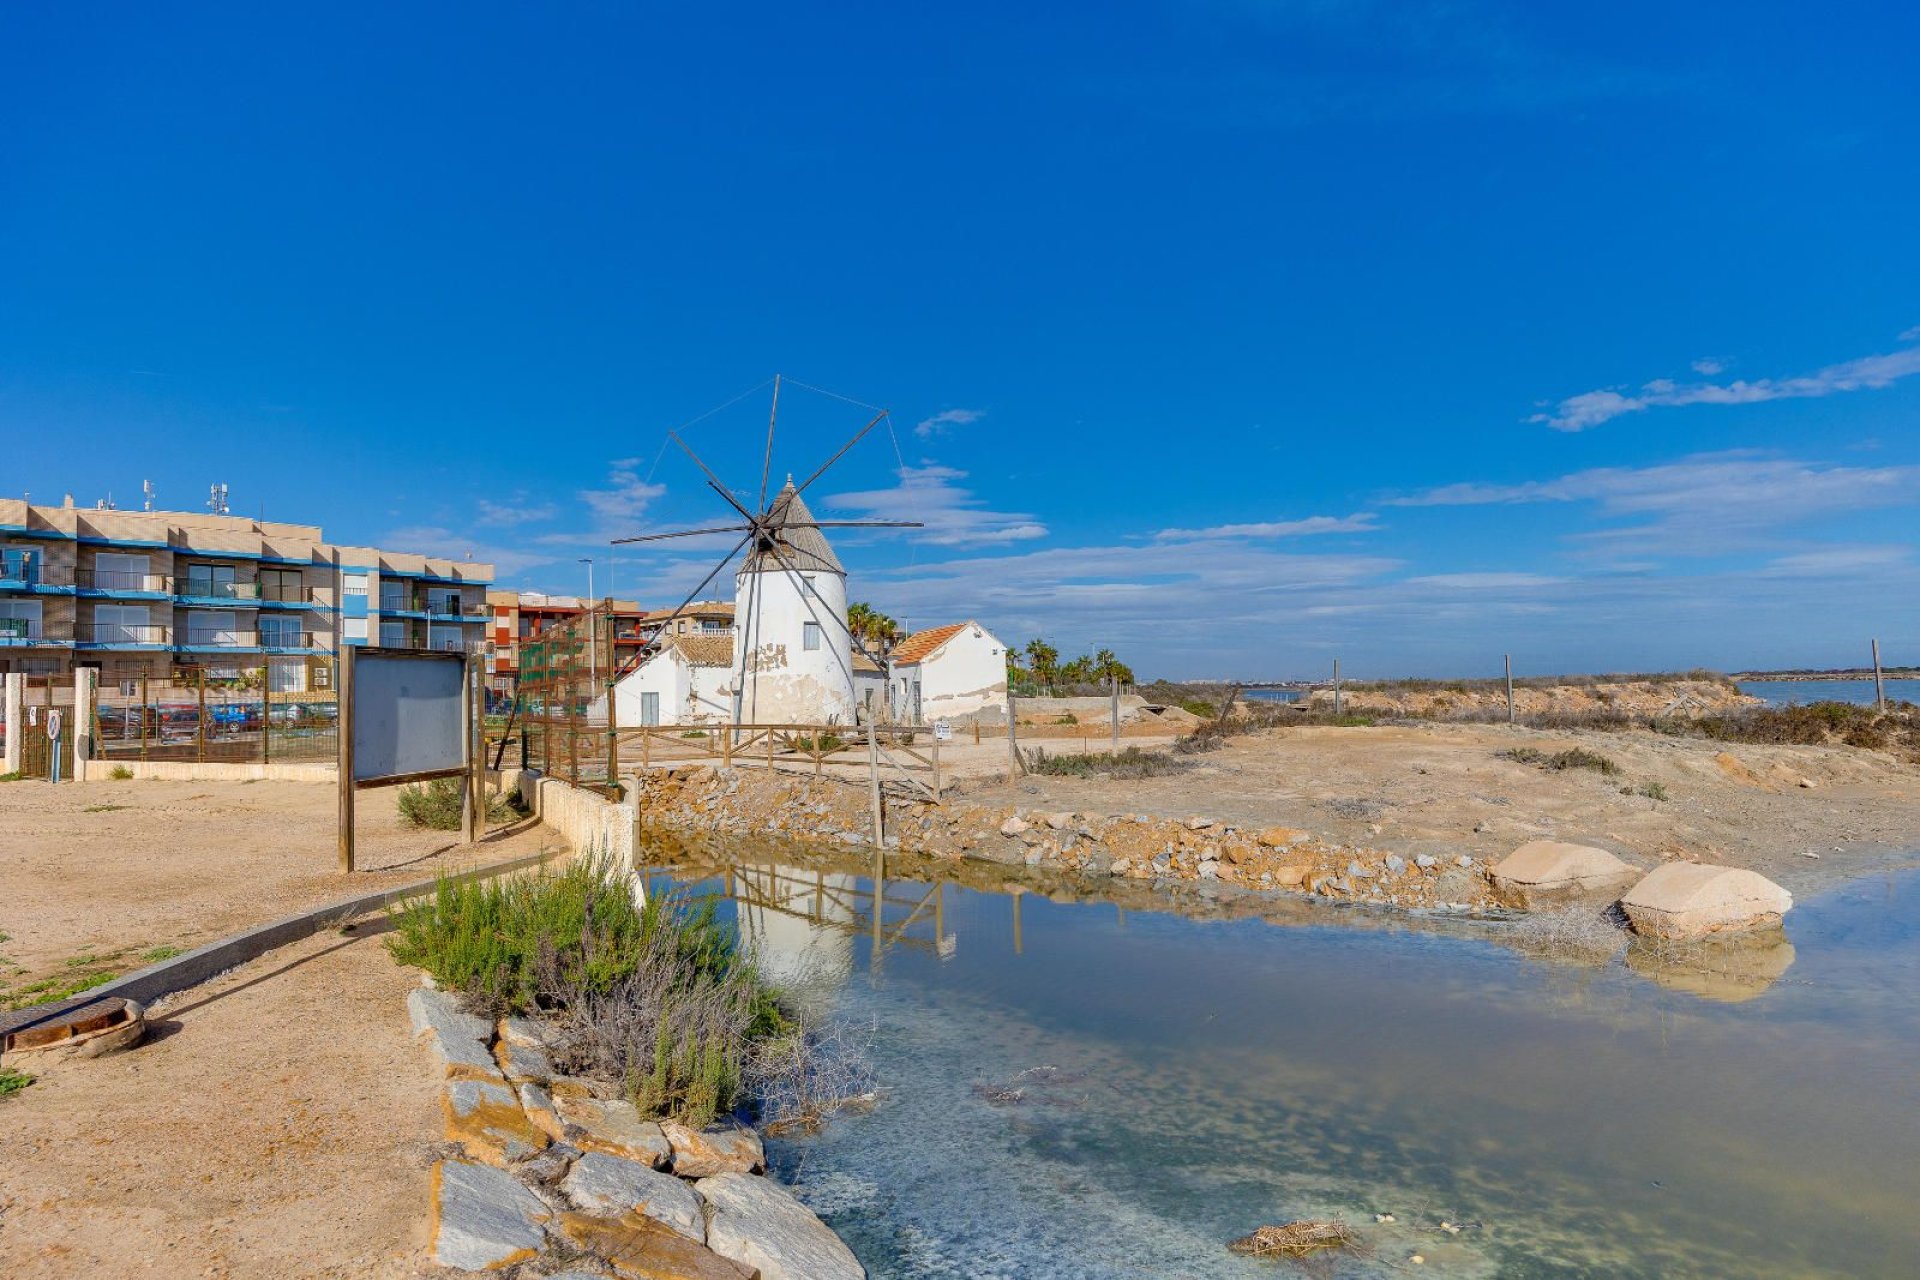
x=791 y=643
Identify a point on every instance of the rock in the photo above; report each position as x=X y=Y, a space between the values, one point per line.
x=1689 y=899
x=1120 y=867
x=1464 y=860
x=1426 y=862
x=1808 y=783
x=1209 y=870
x=525 y=1033
x=1059 y=821
x=482 y=1218
x=1546 y=872
x=1198 y=823
x=440 y=1013
x=1289 y=877
x=539 y=1107
x=1014 y=826
x=1280 y=837
x=760 y=1225
x=523 y=1063
x=1396 y=865
x=487 y=1121
x=636 y=1246
x=1359 y=871
x=616 y=1128
x=549 y=1166
x=600 y=1183
x=701 y=1153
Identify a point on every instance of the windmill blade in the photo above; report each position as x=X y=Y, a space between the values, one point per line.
x=683 y=533
x=841 y=452
x=766 y=466
x=711 y=575
x=712 y=479
x=853 y=524
x=808 y=589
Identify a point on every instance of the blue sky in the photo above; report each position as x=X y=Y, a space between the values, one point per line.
x=1236 y=336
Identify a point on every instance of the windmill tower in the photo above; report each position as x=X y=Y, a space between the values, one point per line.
x=789 y=659
x=793 y=650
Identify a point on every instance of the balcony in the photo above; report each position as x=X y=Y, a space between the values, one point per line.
x=217 y=591
x=16 y=632
x=120 y=582
x=19 y=568
x=120 y=635
x=268 y=639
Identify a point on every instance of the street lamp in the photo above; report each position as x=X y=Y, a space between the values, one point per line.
x=593 y=631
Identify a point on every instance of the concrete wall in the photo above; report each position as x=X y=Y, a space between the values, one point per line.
x=586 y=820
x=204 y=771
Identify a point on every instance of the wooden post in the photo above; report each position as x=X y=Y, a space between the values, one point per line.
x=1879 y=687
x=343 y=730
x=1017 y=895
x=726 y=749
x=613 y=723
x=873 y=791
x=934 y=757
x=1013 y=736
x=976 y=730
x=1509 y=688
x=1114 y=715
x=1336 y=688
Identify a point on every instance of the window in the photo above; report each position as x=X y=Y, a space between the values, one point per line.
x=211 y=581
x=121 y=624
x=354 y=584
x=115 y=572
x=649 y=708
x=280 y=633
x=354 y=630
x=810 y=636
x=287 y=586
x=393 y=635
x=213 y=628
x=19 y=620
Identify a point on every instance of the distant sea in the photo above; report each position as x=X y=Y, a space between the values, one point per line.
x=1787 y=693
x=1272 y=695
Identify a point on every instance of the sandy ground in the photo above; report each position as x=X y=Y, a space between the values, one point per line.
x=1443 y=789
x=277 y=1122
x=95 y=874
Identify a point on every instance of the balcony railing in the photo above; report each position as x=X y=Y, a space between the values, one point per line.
x=112 y=633
x=19 y=567
x=249 y=638
x=18 y=631
x=286 y=595
x=121 y=580
x=217 y=589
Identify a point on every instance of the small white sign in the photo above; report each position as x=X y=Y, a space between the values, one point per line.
x=33 y=715
x=942 y=731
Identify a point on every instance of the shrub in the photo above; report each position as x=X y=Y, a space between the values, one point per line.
x=1522 y=755
x=656 y=997
x=1199 y=707
x=436 y=805
x=826 y=743
x=1129 y=763
x=1580 y=758
x=12 y=1082
x=1652 y=790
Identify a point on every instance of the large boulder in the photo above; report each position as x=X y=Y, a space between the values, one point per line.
x=701 y=1153
x=638 y=1248
x=482 y=1218
x=1692 y=899
x=604 y=1184
x=487 y=1120
x=615 y=1127
x=760 y=1225
x=1552 y=872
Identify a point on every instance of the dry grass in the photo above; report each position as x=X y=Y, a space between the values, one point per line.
x=1294 y=1240
x=1576 y=935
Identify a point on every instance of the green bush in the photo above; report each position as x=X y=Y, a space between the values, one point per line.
x=120 y=773
x=436 y=805
x=1580 y=758
x=12 y=1082
x=657 y=997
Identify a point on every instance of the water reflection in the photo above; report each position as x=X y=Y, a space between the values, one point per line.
x=1158 y=1084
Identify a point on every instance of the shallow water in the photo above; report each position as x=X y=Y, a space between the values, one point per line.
x=1785 y=693
x=1181 y=1081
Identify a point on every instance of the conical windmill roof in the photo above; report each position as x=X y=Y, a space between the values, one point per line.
x=804 y=547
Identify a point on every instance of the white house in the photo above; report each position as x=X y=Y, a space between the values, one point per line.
x=948 y=671
x=789 y=659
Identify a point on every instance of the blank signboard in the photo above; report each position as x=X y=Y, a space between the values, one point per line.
x=407 y=714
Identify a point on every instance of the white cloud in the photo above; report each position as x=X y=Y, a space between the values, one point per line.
x=1591 y=408
x=1843 y=560
x=518 y=511
x=952 y=515
x=1708 y=367
x=1359 y=522
x=940 y=423
x=436 y=540
x=620 y=507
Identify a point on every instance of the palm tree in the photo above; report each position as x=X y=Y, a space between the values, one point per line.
x=875 y=629
x=1044 y=661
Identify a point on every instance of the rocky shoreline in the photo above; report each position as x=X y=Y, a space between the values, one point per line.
x=561 y=1178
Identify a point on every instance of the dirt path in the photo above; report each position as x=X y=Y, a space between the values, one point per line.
x=277 y=1123
x=98 y=875
x=1445 y=790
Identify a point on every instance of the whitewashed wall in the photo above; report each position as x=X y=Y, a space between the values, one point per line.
x=965 y=674
x=783 y=681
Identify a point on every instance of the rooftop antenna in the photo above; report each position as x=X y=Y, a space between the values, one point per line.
x=765 y=527
x=217 y=499
x=146 y=488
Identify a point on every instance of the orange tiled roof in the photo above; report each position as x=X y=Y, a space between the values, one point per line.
x=921 y=643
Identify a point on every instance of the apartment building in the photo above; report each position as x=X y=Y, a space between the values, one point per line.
x=140 y=593
x=519 y=617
